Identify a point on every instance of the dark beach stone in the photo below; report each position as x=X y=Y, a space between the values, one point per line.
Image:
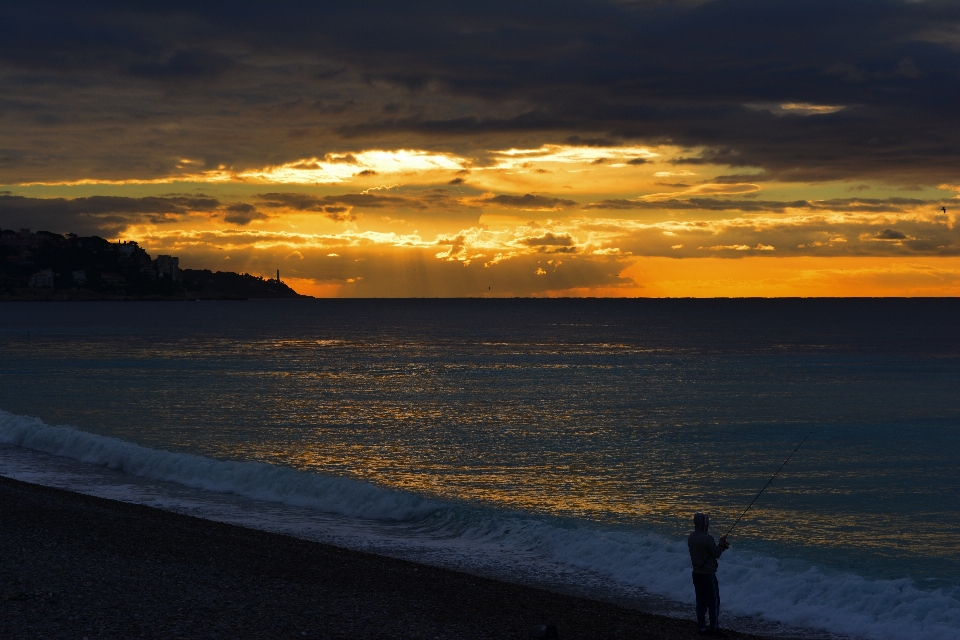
x=545 y=631
x=122 y=570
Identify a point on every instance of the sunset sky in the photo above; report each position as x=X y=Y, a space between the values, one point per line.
x=724 y=148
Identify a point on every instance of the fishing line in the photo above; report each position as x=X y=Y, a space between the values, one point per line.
x=768 y=483
x=758 y=495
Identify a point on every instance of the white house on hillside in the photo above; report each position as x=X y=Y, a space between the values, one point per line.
x=42 y=278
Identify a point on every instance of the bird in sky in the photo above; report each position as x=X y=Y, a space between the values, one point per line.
x=944 y=209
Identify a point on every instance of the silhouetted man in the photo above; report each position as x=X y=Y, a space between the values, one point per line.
x=703 y=554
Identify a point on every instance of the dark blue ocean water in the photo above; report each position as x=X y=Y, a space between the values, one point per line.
x=576 y=434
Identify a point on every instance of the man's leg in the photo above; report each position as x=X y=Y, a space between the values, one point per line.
x=714 y=603
x=703 y=599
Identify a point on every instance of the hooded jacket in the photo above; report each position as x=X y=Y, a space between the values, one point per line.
x=703 y=548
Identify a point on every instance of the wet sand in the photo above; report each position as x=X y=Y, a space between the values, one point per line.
x=75 y=566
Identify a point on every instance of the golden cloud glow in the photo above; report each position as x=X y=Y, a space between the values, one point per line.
x=537 y=249
x=334 y=169
x=727 y=247
x=751 y=277
x=513 y=159
x=797 y=108
x=519 y=221
x=706 y=189
x=683 y=173
x=342 y=167
x=331 y=169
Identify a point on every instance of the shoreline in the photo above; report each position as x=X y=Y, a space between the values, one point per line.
x=84 y=295
x=78 y=566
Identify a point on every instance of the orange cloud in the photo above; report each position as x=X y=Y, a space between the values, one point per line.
x=706 y=189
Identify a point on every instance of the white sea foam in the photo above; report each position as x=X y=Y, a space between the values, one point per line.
x=757 y=585
x=752 y=584
x=250 y=479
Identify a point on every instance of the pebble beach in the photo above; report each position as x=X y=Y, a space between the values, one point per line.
x=76 y=566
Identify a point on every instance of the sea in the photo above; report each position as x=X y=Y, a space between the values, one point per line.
x=560 y=443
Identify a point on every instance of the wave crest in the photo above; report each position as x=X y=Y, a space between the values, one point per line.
x=752 y=584
x=255 y=480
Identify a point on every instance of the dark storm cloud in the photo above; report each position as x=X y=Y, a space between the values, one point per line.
x=530 y=121
x=822 y=236
x=100 y=205
x=125 y=90
x=344 y=207
x=891 y=234
x=548 y=239
x=242 y=214
x=529 y=201
x=184 y=65
x=338 y=207
x=859 y=205
x=110 y=215
x=741 y=178
x=306 y=202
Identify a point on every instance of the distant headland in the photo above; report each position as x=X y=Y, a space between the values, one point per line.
x=50 y=266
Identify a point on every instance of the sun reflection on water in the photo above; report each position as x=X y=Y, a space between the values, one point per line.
x=623 y=428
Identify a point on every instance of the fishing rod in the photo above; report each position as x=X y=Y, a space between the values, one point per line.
x=768 y=484
x=723 y=540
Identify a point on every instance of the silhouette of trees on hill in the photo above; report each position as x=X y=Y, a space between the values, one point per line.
x=34 y=263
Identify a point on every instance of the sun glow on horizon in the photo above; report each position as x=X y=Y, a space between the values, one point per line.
x=342 y=167
x=552 y=220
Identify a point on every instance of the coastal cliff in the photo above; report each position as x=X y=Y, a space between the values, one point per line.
x=50 y=266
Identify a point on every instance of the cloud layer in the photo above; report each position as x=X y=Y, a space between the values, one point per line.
x=805 y=91
x=453 y=149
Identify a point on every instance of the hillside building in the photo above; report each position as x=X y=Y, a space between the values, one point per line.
x=167 y=267
x=42 y=279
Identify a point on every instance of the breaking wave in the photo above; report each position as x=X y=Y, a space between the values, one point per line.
x=753 y=585
x=249 y=479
